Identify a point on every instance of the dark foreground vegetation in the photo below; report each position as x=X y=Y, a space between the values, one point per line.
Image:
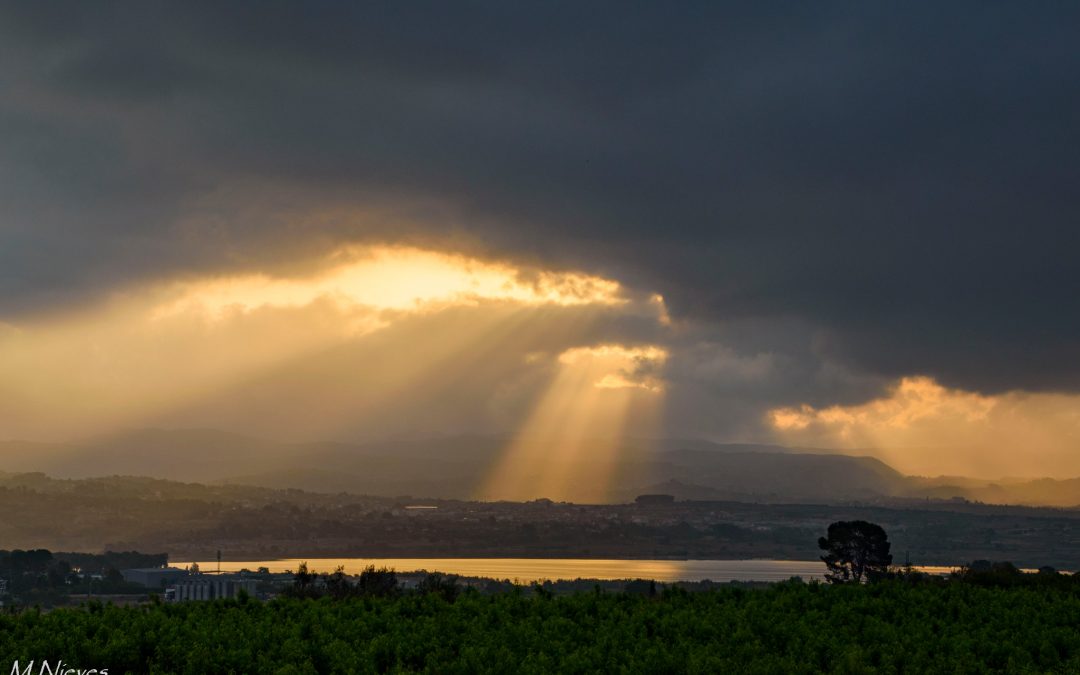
x=995 y=620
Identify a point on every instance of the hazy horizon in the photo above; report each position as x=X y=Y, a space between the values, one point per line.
x=478 y=467
x=882 y=454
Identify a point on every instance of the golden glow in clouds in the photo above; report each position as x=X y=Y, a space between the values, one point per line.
x=153 y=354
x=924 y=428
x=392 y=278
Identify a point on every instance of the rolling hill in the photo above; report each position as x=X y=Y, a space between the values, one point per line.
x=454 y=467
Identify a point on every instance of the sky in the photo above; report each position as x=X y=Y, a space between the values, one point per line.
x=837 y=225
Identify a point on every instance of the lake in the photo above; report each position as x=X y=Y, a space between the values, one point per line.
x=527 y=570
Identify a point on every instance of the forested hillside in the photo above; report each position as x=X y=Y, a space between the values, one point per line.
x=193 y=522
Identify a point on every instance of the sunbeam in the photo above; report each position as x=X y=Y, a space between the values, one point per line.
x=568 y=448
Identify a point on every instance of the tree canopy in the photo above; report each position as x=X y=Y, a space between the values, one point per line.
x=855 y=551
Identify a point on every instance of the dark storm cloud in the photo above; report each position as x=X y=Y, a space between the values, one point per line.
x=899 y=183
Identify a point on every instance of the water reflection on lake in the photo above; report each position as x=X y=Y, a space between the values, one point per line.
x=526 y=570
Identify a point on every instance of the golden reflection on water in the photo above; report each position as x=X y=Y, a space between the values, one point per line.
x=527 y=570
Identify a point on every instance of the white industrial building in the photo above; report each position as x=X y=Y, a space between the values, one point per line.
x=210 y=587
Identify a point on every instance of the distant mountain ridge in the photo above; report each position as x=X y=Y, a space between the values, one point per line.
x=455 y=467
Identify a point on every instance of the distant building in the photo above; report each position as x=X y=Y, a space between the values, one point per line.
x=210 y=587
x=419 y=509
x=154 y=577
x=654 y=500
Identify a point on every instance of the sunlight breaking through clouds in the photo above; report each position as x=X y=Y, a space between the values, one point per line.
x=569 y=447
x=395 y=278
x=164 y=350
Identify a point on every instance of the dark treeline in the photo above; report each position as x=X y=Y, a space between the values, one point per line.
x=40 y=576
x=99 y=563
x=372 y=582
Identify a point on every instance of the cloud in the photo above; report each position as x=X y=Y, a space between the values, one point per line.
x=923 y=427
x=388 y=278
x=829 y=198
x=623 y=367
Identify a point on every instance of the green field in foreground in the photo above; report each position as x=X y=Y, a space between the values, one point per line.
x=787 y=628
